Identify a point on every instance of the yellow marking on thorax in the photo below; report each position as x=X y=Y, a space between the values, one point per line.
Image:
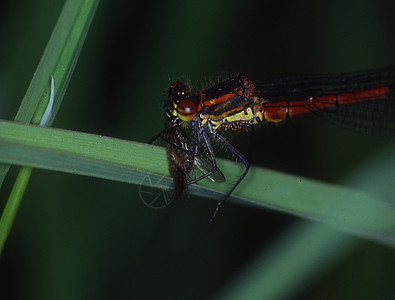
x=246 y=115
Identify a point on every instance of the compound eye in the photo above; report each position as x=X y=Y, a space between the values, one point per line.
x=186 y=110
x=179 y=91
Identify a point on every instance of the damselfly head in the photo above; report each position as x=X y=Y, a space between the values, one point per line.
x=178 y=91
x=185 y=104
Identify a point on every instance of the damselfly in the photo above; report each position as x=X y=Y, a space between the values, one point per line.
x=362 y=101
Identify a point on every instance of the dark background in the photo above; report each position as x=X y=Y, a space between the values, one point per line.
x=78 y=237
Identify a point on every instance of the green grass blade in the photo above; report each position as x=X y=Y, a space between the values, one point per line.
x=79 y=153
x=11 y=208
x=353 y=211
x=299 y=257
x=58 y=60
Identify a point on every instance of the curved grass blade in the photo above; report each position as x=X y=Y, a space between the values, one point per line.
x=58 y=61
x=360 y=213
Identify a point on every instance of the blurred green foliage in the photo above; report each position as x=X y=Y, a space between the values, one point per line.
x=79 y=237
